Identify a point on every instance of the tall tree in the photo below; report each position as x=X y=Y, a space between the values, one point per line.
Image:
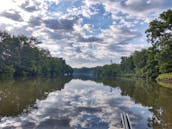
x=159 y=34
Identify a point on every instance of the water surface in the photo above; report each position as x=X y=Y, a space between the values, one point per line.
x=83 y=104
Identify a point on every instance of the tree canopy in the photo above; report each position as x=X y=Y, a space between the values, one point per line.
x=20 y=56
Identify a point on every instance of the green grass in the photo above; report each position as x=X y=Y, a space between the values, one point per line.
x=164 y=76
x=162 y=80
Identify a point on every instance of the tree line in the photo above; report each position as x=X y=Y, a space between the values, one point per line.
x=147 y=63
x=20 y=56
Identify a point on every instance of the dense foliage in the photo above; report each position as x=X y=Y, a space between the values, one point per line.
x=19 y=56
x=151 y=62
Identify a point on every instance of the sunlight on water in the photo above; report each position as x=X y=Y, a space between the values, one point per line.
x=81 y=105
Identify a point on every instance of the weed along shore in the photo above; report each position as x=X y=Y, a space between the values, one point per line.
x=165 y=80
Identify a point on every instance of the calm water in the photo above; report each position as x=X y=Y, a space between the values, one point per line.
x=65 y=103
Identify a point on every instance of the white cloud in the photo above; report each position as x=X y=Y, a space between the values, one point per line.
x=75 y=34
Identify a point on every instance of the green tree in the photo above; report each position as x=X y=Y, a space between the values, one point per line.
x=127 y=64
x=159 y=34
x=20 y=56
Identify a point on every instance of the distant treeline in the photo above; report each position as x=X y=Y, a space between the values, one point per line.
x=83 y=71
x=148 y=63
x=19 y=56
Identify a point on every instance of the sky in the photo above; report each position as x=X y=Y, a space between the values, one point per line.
x=86 y=33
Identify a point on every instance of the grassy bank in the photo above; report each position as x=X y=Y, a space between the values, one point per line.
x=165 y=76
x=165 y=80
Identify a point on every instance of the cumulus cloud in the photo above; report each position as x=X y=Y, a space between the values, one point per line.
x=89 y=39
x=28 y=7
x=63 y=24
x=146 y=5
x=87 y=32
x=13 y=15
x=35 y=21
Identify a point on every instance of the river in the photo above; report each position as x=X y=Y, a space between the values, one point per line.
x=83 y=103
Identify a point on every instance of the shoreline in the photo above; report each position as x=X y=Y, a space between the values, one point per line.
x=165 y=80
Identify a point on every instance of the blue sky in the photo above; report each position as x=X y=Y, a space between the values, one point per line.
x=83 y=32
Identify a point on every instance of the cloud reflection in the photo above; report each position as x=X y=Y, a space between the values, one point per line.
x=80 y=105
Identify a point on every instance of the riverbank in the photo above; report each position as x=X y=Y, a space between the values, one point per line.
x=165 y=80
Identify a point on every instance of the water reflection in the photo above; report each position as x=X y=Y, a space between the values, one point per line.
x=149 y=94
x=82 y=105
x=18 y=95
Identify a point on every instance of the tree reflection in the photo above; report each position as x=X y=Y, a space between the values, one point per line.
x=19 y=95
